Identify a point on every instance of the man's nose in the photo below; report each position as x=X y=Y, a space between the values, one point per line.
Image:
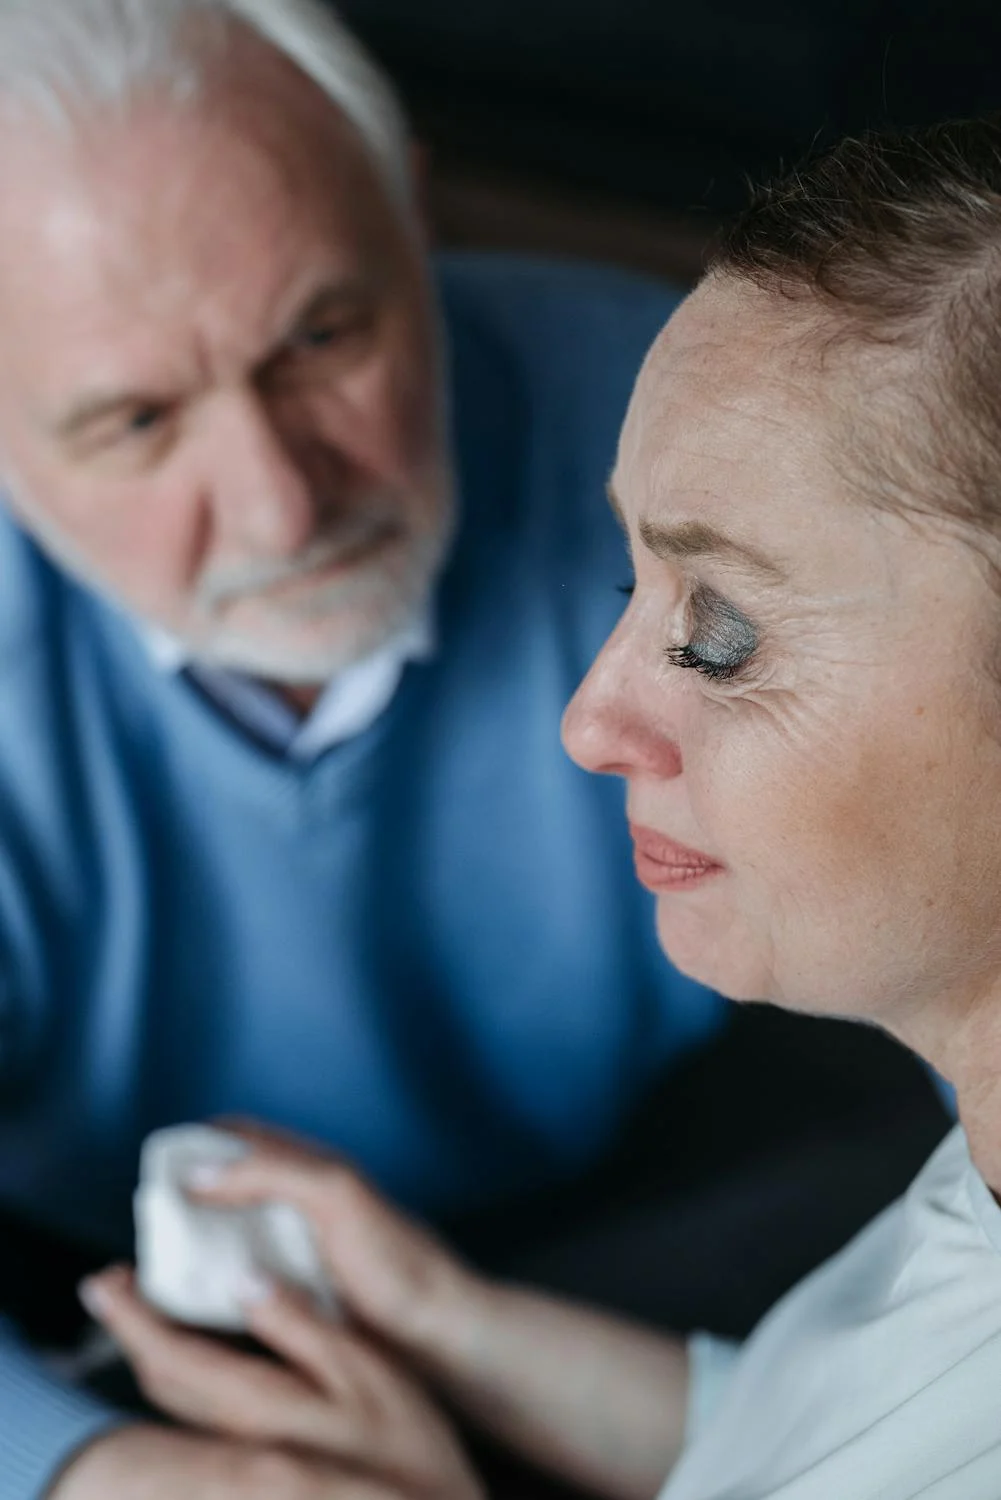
x=263 y=501
x=616 y=722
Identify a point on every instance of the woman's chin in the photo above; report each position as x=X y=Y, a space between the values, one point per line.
x=710 y=951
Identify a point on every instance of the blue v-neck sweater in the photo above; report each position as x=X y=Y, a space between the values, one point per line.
x=427 y=947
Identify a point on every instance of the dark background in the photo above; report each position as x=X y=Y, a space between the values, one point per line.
x=624 y=129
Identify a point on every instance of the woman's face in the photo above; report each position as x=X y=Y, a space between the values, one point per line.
x=798 y=693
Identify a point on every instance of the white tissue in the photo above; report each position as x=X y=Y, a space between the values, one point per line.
x=197 y=1263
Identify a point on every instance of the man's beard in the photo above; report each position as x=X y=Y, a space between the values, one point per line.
x=367 y=607
x=374 y=600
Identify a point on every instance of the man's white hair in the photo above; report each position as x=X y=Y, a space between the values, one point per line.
x=59 y=56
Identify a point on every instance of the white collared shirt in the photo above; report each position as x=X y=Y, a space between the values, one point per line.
x=874 y=1379
x=349 y=704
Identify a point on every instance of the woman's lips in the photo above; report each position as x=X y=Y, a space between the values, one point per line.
x=663 y=865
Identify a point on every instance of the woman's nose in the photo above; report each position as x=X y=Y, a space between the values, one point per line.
x=615 y=725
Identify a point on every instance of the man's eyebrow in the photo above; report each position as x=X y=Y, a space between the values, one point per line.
x=331 y=298
x=688 y=539
x=97 y=406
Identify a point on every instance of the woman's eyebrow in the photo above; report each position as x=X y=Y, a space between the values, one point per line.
x=687 y=539
x=699 y=539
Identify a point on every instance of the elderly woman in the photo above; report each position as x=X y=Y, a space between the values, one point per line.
x=803 y=697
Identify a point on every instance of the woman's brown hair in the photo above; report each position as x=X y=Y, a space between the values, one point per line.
x=896 y=240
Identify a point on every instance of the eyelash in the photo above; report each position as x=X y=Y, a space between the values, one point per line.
x=687 y=656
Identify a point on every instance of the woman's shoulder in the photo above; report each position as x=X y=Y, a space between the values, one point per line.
x=880 y=1368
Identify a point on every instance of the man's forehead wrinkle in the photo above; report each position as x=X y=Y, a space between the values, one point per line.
x=119 y=274
x=188 y=355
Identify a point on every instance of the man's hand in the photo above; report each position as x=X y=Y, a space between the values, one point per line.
x=335 y=1396
x=153 y=1463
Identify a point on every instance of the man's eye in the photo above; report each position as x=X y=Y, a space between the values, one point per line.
x=318 y=338
x=144 y=419
x=330 y=335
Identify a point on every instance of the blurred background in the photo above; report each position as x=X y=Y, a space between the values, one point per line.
x=624 y=130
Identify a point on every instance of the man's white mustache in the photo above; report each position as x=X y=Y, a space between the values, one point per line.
x=343 y=537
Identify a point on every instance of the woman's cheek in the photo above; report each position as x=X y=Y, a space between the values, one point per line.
x=787 y=798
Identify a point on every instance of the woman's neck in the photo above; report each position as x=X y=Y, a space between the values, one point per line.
x=963 y=1043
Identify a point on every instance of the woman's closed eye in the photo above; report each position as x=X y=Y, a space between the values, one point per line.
x=722 y=641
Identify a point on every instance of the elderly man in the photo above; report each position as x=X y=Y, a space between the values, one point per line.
x=303 y=554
